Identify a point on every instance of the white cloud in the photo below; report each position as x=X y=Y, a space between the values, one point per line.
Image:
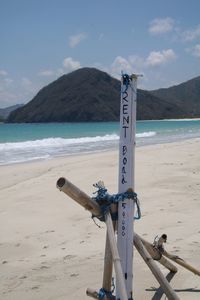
x=137 y=64
x=8 y=81
x=195 y=51
x=46 y=73
x=121 y=64
x=160 y=26
x=8 y=98
x=3 y=73
x=157 y=58
x=17 y=91
x=71 y=64
x=74 y=40
x=191 y=34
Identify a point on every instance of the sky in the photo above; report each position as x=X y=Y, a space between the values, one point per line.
x=40 y=40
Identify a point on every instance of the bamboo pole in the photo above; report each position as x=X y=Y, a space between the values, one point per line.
x=84 y=200
x=92 y=293
x=169 y=292
x=173 y=257
x=79 y=196
x=181 y=262
x=116 y=258
x=108 y=266
x=155 y=254
x=108 y=259
x=89 y=204
x=112 y=244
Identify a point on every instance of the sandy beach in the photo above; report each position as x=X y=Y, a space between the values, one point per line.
x=50 y=248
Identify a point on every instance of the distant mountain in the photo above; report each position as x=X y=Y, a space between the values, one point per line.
x=88 y=95
x=83 y=95
x=186 y=95
x=4 y=112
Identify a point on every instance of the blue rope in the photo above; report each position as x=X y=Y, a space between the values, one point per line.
x=126 y=80
x=108 y=294
x=103 y=293
x=105 y=200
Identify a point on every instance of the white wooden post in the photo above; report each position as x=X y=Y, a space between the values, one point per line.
x=126 y=179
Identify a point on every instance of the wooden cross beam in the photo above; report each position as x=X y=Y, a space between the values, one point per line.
x=88 y=203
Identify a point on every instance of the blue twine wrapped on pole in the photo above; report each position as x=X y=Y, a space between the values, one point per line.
x=103 y=294
x=104 y=199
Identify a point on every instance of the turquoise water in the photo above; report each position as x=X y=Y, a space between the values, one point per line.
x=26 y=142
x=38 y=131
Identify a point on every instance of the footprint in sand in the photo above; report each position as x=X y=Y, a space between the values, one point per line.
x=23 y=277
x=14 y=284
x=69 y=257
x=63 y=243
x=44 y=267
x=74 y=275
x=176 y=249
x=36 y=287
x=4 y=262
x=46 y=246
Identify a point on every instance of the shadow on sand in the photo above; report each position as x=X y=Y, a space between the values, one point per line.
x=159 y=291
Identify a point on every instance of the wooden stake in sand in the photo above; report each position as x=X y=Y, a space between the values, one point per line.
x=116 y=259
x=108 y=259
x=88 y=203
x=126 y=178
x=169 y=292
x=157 y=255
x=120 y=252
x=159 y=245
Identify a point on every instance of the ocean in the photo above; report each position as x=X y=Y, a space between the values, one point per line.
x=29 y=142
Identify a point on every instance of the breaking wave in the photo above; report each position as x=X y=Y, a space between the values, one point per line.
x=51 y=147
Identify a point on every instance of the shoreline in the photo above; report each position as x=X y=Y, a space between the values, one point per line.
x=65 y=139
x=51 y=249
x=62 y=156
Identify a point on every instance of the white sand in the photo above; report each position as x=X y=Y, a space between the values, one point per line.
x=50 y=249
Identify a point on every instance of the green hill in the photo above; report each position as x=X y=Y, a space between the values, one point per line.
x=4 y=112
x=88 y=95
x=186 y=95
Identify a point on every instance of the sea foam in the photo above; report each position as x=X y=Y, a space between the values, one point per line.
x=16 y=152
x=57 y=142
